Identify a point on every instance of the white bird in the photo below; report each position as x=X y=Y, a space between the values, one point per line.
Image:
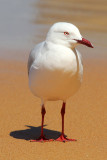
x=55 y=68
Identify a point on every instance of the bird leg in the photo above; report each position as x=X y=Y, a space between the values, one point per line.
x=62 y=137
x=42 y=136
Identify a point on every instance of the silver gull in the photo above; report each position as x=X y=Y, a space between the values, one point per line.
x=55 y=69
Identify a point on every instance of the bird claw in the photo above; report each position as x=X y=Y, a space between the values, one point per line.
x=62 y=138
x=41 y=139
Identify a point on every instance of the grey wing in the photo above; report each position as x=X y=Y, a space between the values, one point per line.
x=31 y=60
x=33 y=55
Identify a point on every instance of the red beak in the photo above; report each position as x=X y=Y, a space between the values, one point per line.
x=85 y=42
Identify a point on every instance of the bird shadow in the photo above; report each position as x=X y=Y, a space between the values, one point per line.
x=34 y=133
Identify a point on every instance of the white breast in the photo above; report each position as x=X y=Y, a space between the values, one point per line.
x=56 y=74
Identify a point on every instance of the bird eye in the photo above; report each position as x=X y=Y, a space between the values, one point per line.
x=66 y=33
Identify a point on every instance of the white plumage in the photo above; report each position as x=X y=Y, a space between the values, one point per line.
x=55 y=66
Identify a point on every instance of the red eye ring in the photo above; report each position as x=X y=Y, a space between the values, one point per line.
x=66 y=33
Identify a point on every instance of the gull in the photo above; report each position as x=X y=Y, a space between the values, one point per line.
x=55 y=69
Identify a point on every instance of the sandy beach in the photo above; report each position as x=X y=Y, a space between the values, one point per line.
x=85 y=118
x=24 y=24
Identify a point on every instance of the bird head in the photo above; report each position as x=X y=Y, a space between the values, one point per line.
x=67 y=34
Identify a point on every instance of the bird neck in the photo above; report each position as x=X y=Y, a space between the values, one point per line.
x=60 y=43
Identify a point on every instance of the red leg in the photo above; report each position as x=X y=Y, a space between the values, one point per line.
x=62 y=137
x=42 y=136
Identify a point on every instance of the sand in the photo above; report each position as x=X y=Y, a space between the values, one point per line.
x=85 y=118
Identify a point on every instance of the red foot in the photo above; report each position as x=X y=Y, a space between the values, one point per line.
x=41 y=139
x=62 y=138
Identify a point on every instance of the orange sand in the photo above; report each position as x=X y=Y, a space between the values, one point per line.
x=85 y=118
